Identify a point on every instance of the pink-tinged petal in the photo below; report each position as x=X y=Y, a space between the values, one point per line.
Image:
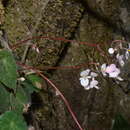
x=84 y=82
x=120 y=57
x=110 y=68
x=94 y=82
x=115 y=73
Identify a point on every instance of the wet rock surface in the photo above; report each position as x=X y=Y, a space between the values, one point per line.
x=57 y=19
x=99 y=22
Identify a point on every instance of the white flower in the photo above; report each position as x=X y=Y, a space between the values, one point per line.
x=93 y=74
x=127 y=55
x=87 y=87
x=87 y=79
x=84 y=82
x=115 y=73
x=111 y=51
x=103 y=69
x=85 y=73
x=21 y=79
x=129 y=45
x=93 y=84
x=127 y=52
x=119 y=78
x=35 y=48
x=31 y=128
x=120 y=59
x=111 y=70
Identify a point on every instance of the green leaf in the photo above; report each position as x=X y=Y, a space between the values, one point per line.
x=35 y=80
x=120 y=123
x=8 y=73
x=29 y=87
x=21 y=96
x=20 y=100
x=4 y=99
x=10 y=120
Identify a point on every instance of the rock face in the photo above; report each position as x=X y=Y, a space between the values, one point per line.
x=125 y=14
x=105 y=8
x=57 y=19
x=114 y=12
x=99 y=22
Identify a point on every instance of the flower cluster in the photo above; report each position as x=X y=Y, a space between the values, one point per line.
x=121 y=58
x=120 y=55
x=111 y=70
x=88 y=80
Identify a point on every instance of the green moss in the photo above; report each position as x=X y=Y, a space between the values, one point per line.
x=57 y=20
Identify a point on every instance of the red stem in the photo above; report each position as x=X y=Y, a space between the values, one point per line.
x=51 y=38
x=56 y=89
x=61 y=67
